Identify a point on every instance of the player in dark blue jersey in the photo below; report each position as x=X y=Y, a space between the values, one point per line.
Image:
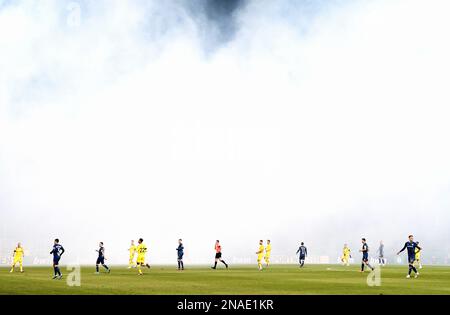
x=302 y=254
x=365 y=259
x=57 y=252
x=411 y=248
x=101 y=259
x=180 y=253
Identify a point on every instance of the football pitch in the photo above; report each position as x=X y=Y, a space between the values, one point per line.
x=276 y=280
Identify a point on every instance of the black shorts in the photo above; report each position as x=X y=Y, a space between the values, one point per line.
x=218 y=255
x=56 y=260
x=302 y=257
x=100 y=260
x=180 y=256
x=411 y=260
x=365 y=259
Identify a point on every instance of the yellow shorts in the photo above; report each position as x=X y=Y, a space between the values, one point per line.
x=18 y=260
x=140 y=260
x=260 y=258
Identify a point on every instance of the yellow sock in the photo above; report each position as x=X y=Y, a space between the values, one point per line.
x=140 y=271
x=21 y=268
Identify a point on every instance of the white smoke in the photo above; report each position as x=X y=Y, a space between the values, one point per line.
x=321 y=123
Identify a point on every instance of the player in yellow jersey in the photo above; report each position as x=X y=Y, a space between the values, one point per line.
x=141 y=251
x=268 y=250
x=132 y=250
x=418 y=254
x=346 y=255
x=260 y=254
x=18 y=257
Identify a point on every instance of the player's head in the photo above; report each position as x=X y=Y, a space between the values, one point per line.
x=101 y=244
x=132 y=242
x=381 y=242
x=19 y=244
x=217 y=241
x=363 y=240
x=261 y=242
x=345 y=245
x=268 y=241
x=140 y=240
x=180 y=241
x=411 y=238
x=303 y=243
x=56 y=240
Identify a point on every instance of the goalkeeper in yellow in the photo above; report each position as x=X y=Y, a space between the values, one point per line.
x=260 y=254
x=346 y=255
x=132 y=250
x=141 y=251
x=268 y=250
x=18 y=258
x=418 y=254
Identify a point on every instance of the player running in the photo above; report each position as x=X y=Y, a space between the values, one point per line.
x=101 y=259
x=411 y=248
x=57 y=252
x=346 y=255
x=132 y=251
x=303 y=253
x=267 y=256
x=218 y=249
x=141 y=251
x=380 y=252
x=418 y=254
x=260 y=254
x=365 y=259
x=180 y=253
x=18 y=257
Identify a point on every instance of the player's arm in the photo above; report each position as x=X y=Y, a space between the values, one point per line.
x=62 y=251
x=404 y=247
x=297 y=251
x=306 y=252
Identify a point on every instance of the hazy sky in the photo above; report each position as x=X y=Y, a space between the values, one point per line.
x=315 y=121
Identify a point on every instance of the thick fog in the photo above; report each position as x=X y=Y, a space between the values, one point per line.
x=314 y=121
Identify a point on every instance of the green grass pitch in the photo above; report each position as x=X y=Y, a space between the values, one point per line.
x=278 y=279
